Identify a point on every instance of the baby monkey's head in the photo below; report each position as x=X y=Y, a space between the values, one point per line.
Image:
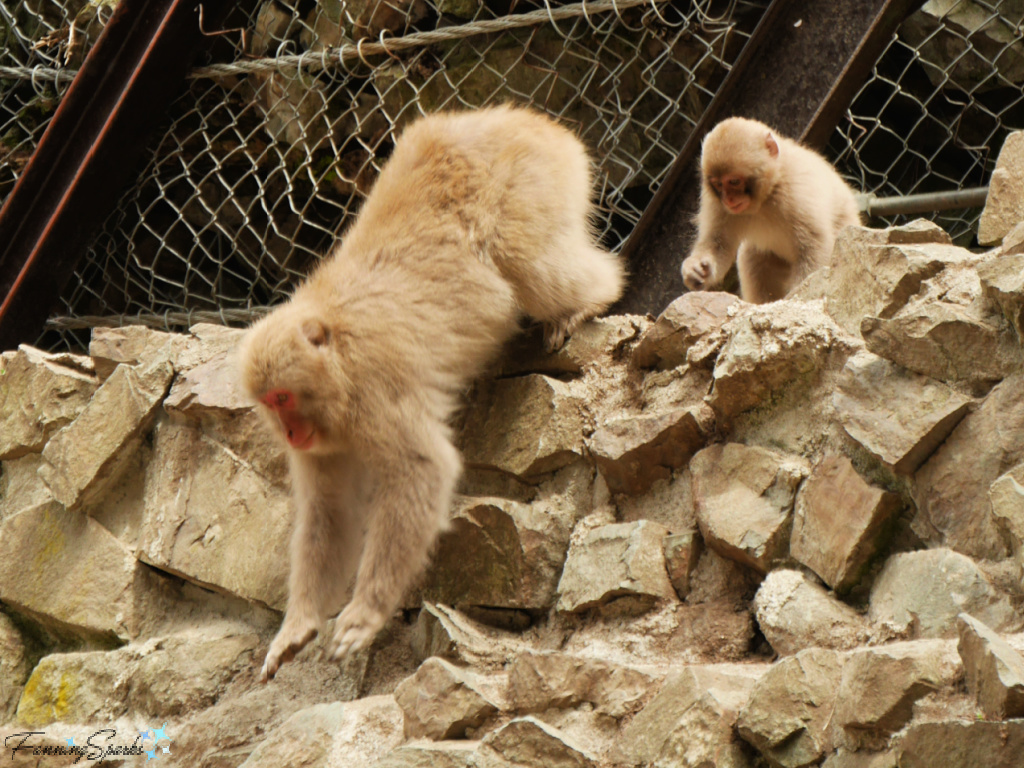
x=740 y=164
x=292 y=367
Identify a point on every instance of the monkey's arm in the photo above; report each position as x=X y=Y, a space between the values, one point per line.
x=410 y=504
x=714 y=251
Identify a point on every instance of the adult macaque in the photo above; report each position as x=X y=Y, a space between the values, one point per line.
x=767 y=203
x=477 y=218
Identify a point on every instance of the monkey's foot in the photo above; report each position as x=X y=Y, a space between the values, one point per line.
x=558 y=331
x=355 y=629
x=293 y=637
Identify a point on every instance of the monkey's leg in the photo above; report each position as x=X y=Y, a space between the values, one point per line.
x=324 y=552
x=764 y=276
x=410 y=507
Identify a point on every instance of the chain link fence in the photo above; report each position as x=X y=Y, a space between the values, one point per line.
x=262 y=161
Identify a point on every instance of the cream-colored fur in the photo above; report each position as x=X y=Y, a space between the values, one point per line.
x=477 y=218
x=798 y=205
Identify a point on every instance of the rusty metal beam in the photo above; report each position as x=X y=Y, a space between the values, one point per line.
x=89 y=151
x=798 y=73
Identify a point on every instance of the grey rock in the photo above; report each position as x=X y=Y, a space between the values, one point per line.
x=690 y=720
x=632 y=452
x=14 y=668
x=304 y=739
x=133 y=345
x=951 y=488
x=527 y=742
x=430 y=754
x=845 y=759
x=880 y=686
x=921 y=593
x=840 y=522
x=684 y=321
x=1004 y=208
x=898 y=415
x=744 y=498
x=898 y=259
x=795 y=613
x=86 y=457
x=553 y=680
x=443 y=631
x=20 y=485
x=787 y=716
x=1007 y=497
x=442 y=701
x=40 y=393
x=525 y=426
x=499 y=553
x=994 y=670
x=1002 y=277
x=960 y=744
x=622 y=561
x=69 y=573
x=682 y=551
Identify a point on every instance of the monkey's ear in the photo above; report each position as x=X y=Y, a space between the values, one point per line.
x=316 y=332
x=771 y=144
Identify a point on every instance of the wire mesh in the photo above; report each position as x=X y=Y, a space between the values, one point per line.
x=938 y=106
x=266 y=157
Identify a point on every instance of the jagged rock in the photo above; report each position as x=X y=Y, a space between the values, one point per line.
x=304 y=739
x=213 y=385
x=430 y=754
x=921 y=593
x=526 y=426
x=184 y=673
x=960 y=744
x=744 y=498
x=213 y=518
x=690 y=721
x=526 y=742
x=69 y=573
x=1004 y=208
x=898 y=415
x=994 y=670
x=669 y=502
x=682 y=387
x=840 y=522
x=595 y=342
x=547 y=680
x=795 y=613
x=633 y=452
x=844 y=759
x=880 y=685
x=370 y=728
x=40 y=393
x=78 y=688
x=20 y=485
x=622 y=561
x=442 y=701
x=788 y=715
x=682 y=551
x=1002 y=278
x=444 y=631
x=499 y=553
x=688 y=318
x=1007 y=497
x=771 y=346
x=14 y=667
x=86 y=457
x=950 y=331
x=951 y=487
x=132 y=345
x=898 y=259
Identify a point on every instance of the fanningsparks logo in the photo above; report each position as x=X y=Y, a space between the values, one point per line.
x=151 y=742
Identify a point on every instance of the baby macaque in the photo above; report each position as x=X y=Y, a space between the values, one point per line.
x=477 y=218
x=767 y=203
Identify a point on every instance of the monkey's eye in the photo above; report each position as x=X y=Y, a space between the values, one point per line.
x=282 y=398
x=735 y=182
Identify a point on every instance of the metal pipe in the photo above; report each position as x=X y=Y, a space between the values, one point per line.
x=926 y=202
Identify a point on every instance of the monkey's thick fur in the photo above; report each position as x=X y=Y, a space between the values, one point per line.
x=477 y=218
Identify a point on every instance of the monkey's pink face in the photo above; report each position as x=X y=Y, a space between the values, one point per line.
x=299 y=431
x=732 y=190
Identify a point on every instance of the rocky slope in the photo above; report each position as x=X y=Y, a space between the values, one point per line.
x=734 y=536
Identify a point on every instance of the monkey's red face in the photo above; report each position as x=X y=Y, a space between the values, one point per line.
x=733 y=190
x=298 y=430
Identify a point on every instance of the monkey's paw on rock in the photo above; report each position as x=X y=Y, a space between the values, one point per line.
x=355 y=629
x=293 y=637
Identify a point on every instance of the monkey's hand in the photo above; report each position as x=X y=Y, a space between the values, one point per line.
x=293 y=637
x=355 y=629
x=699 y=272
